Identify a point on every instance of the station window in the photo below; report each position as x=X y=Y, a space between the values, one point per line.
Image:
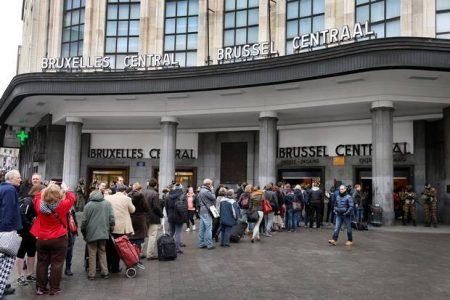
x=73 y=28
x=303 y=17
x=122 y=30
x=241 y=22
x=383 y=16
x=443 y=19
x=181 y=30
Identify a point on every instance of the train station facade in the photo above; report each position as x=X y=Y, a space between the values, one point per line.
x=236 y=91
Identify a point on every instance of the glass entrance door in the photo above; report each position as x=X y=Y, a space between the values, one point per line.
x=109 y=176
x=304 y=176
x=186 y=177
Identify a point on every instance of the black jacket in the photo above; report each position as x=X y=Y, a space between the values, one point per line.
x=154 y=213
x=173 y=214
x=315 y=196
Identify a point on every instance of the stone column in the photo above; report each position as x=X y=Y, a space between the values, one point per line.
x=445 y=203
x=267 y=147
x=168 y=149
x=72 y=152
x=382 y=158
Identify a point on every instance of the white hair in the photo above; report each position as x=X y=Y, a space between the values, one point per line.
x=207 y=181
x=11 y=175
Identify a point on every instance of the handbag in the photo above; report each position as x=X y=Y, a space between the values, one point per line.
x=266 y=207
x=296 y=206
x=252 y=216
x=72 y=225
x=10 y=243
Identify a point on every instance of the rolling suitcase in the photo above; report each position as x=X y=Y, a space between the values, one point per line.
x=167 y=250
x=237 y=232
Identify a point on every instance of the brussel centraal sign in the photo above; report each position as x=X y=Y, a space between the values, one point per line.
x=301 y=42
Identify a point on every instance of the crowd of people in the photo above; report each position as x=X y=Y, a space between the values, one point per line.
x=43 y=214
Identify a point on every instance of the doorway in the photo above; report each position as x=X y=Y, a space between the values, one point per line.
x=403 y=176
x=107 y=175
x=303 y=176
x=233 y=162
x=184 y=176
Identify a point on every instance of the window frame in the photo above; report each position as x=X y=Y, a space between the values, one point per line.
x=186 y=51
x=385 y=21
x=80 y=23
x=298 y=19
x=115 y=54
x=442 y=11
x=235 y=28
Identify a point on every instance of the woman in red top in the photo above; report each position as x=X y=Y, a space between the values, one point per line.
x=50 y=229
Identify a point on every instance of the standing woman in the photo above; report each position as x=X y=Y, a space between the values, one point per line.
x=50 y=229
x=139 y=217
x=256 y=206
x=190 y=199
x=28 y=244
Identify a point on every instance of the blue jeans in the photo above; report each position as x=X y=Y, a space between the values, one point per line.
x=175 y=232
x=360 y=214
x=297 y=218
x=205 y=233
x=226 y=233
x=290 y=219
x=337 y=228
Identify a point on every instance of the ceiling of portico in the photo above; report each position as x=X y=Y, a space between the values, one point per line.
x=324 y=100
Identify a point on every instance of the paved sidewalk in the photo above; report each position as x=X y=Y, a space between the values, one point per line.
x=382 y=264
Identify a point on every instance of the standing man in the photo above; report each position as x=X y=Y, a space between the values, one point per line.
x=10 y=220
x=122 y=209
x=316 y=205
x=430 y=205
x=206 y=199
x=343 y=208
x=154 y=217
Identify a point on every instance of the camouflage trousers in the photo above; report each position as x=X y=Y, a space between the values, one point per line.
x=409 y=208
x=430 y=210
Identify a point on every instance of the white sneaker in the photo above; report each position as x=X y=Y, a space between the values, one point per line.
x=187 y=230
x=193 y=227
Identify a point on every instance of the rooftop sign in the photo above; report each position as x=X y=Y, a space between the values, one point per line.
x=301 y=42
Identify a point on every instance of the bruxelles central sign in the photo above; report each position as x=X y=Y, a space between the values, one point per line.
x=104 y=62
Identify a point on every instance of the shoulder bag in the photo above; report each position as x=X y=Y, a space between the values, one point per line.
x=9 y=243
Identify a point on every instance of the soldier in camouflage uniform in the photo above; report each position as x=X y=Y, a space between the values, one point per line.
x=409 y=205
x=430 y=205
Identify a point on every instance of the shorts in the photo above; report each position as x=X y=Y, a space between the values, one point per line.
x=27 y=246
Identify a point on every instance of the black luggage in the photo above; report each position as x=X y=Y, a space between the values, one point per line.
x=359 y=226
x=167 y=249
x=237 y=232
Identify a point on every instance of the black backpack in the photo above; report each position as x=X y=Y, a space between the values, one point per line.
x=167 y=250
x=26 y=212
x=181 y=210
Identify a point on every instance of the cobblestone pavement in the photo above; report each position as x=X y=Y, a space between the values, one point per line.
x=380 y=265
